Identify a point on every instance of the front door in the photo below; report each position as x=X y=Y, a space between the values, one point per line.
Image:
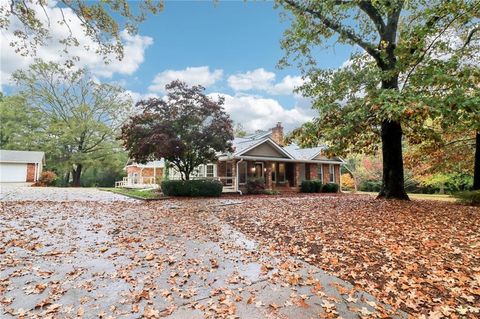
x=259 y=169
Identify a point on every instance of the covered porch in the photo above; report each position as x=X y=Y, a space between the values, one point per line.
x=278 y=175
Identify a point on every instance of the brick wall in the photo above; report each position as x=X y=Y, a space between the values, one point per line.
x=313 y=171
x=326 y=174
x=31 y=173
x=146 y=172
x=337 y=174
x=221 y=169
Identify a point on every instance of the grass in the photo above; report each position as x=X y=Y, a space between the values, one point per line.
x=135 y=193
x=440 y=197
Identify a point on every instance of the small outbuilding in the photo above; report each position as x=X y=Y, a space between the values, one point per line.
x=21 y=166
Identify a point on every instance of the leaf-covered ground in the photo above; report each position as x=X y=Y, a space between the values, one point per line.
x=420 y=256
x=167 y=259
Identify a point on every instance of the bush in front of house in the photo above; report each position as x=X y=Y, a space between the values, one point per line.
x=47 y=178
x=468 y=197
x=192 y=188
x=255 y=186
x=330 y=188
x=311 y=186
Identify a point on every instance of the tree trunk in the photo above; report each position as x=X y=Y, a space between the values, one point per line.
x=76 y=175
x=476 y=170
x=67 y=178
x=393 y=178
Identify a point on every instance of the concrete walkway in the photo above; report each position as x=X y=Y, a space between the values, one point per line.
x=170 y=259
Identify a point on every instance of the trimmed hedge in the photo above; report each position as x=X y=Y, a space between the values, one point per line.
x=192 y=188
x=330 y=188
x=255 y=186
x=311 y=186
x=468 y=198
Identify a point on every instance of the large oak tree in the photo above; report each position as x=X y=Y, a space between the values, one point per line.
x=367 y=101
x=186 y=128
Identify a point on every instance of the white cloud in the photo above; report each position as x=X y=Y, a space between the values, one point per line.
x=287 y=85
x=258 y=79
x=191 y=75
x=262 y=80
x=258 y=113
x=134 y=47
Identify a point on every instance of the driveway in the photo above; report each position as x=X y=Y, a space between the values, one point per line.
x=94 y=255
x=23 y=192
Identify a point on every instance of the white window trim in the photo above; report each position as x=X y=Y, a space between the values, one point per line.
x=214 y=171
x=321 y=172
x=331 y=173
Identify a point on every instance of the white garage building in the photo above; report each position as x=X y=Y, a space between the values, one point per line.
x=21 y=166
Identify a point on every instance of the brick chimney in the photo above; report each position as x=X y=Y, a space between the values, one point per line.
x=277 y=133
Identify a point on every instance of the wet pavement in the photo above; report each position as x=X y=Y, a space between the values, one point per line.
x=20 y=192
x=172 y=259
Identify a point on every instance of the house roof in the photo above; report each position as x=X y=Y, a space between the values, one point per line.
x=151 y=164
x=242 y=146
x=293 y=152
x=9 y=156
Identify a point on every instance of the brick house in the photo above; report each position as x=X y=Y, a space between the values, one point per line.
x=21 y=166
x=262 y=155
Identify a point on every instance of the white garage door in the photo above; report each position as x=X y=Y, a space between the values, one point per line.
x=10 y=172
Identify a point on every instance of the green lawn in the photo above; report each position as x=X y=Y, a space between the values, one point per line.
x=135 y=193
x=441 y=197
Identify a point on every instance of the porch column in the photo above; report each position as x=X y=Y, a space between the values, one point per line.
x=268 y=178
x=298 y=177
x=234 y=175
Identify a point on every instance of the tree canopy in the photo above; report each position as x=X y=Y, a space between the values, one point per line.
x=394 y=83
x=32 y=23
x=186 y=128
x=80 y=117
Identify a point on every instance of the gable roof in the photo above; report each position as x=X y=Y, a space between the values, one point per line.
x=242 y=145
x=247 y=146
x=9 y=156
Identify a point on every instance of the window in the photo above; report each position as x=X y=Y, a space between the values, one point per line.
x=210 y=170
x=242 y=173
x=320 y=172
x=274 y=172
x=281 y=172
x=331 y=170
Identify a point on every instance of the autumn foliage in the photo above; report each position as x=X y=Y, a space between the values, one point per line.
x=187 y=128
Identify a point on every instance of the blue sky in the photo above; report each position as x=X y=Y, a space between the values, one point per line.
x=231 y=48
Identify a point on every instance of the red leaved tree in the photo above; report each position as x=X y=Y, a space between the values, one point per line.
x=186 y=128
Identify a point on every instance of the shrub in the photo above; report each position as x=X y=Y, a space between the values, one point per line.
x=468 y=198
x=370 y=185
x=199 y=187
x=330 y=188
x=311 y=186
x=271 y=192
x=348 y=183
x=255 y=186
x=47 y=178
